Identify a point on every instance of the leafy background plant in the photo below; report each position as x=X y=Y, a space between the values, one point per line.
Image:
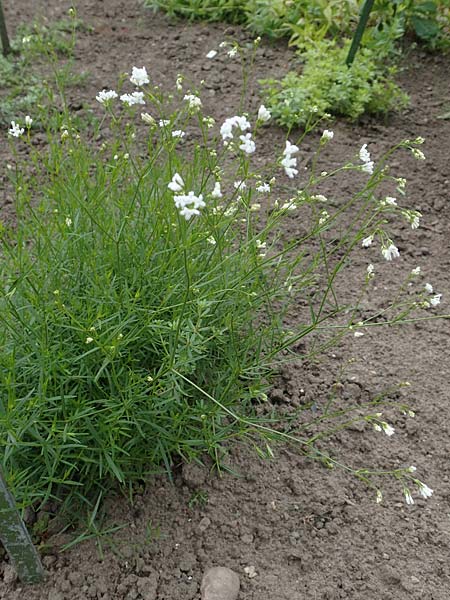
x=317 y=26
x=25 y=72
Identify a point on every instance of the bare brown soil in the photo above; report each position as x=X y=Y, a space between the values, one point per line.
x=310 y=533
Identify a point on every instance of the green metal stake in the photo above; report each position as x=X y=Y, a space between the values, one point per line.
x=16 y=539
x=4 y=33
x=368 y=5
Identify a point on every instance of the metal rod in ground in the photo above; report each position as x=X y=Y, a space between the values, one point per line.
x=368 y=5
x=16 y=539
x=3 y=32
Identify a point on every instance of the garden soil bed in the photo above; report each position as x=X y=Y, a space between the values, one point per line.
x=308 y=532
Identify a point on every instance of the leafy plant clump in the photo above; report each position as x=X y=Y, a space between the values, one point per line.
x=327 y=85
x=24 y=73
x=145 y=290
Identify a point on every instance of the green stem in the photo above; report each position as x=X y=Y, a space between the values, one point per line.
x=16 y=539
x=368 y=5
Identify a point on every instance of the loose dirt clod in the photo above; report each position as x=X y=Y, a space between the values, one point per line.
x=220 y=583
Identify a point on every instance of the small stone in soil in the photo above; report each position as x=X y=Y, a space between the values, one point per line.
x=250 y=571
x=9 y=574
x=220 y=583
x=204 y=524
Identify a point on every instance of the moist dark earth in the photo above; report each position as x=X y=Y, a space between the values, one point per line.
x=307 y=532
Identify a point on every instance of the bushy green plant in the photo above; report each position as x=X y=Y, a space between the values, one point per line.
x=208 y=10
x=327 y=85
x=144 y=293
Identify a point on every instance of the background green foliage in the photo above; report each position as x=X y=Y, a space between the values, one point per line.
x=327 y=85
x=316 y=27
x=24 y=73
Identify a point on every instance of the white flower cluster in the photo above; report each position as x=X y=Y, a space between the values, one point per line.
x=139 y=77
x=424 y=490
x=327 y=135
x=289 y=162
x=226 y=131
x=434 y=300
x=264 y=115
x=105 y=96
x=132 y=99
x=364 y=156
x=16 y=130
x=188 y=204
x=193 y=101
x=390 y=251
x=383 y=426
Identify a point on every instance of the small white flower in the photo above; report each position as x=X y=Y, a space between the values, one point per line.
x=327 y=135
x=367 y=241
x=134 y=98
x=289 y=162
x=16 y=130
x=324 y=216
x=163 y=122
x=408 y=498
x=226 y=130
x=177 y=183
x=290 y=149
x=319 y=198
x=193 y=100
x=390 y=252
x=429 y=288
x=209 y=122
x=415 y=271
x=139 y=77
x=377 y=427
x=289 y=205
x=263 y=188
x=388 y=429
x=64 y=134
x=264 y=115
x=217 y=192
x=418 y=154
x=68 y=222
x=147 y=118
x=178 y=133
x=240 y=185
x=290 y=172
x=414 y=220
x=412 y=469
x=379 y=497
x=28 y=121
x=105 y=96
x=435 y=300
x=424 y=490
x=364 y=156
x=260 y=245
x=211 y=54
x=390 y=200
x=232 y=53
x=255 y=207
x=368 y=167
x=89 y=340
x=189 y=204
x=358 y=334
x=248 y=145
x=370 y=270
